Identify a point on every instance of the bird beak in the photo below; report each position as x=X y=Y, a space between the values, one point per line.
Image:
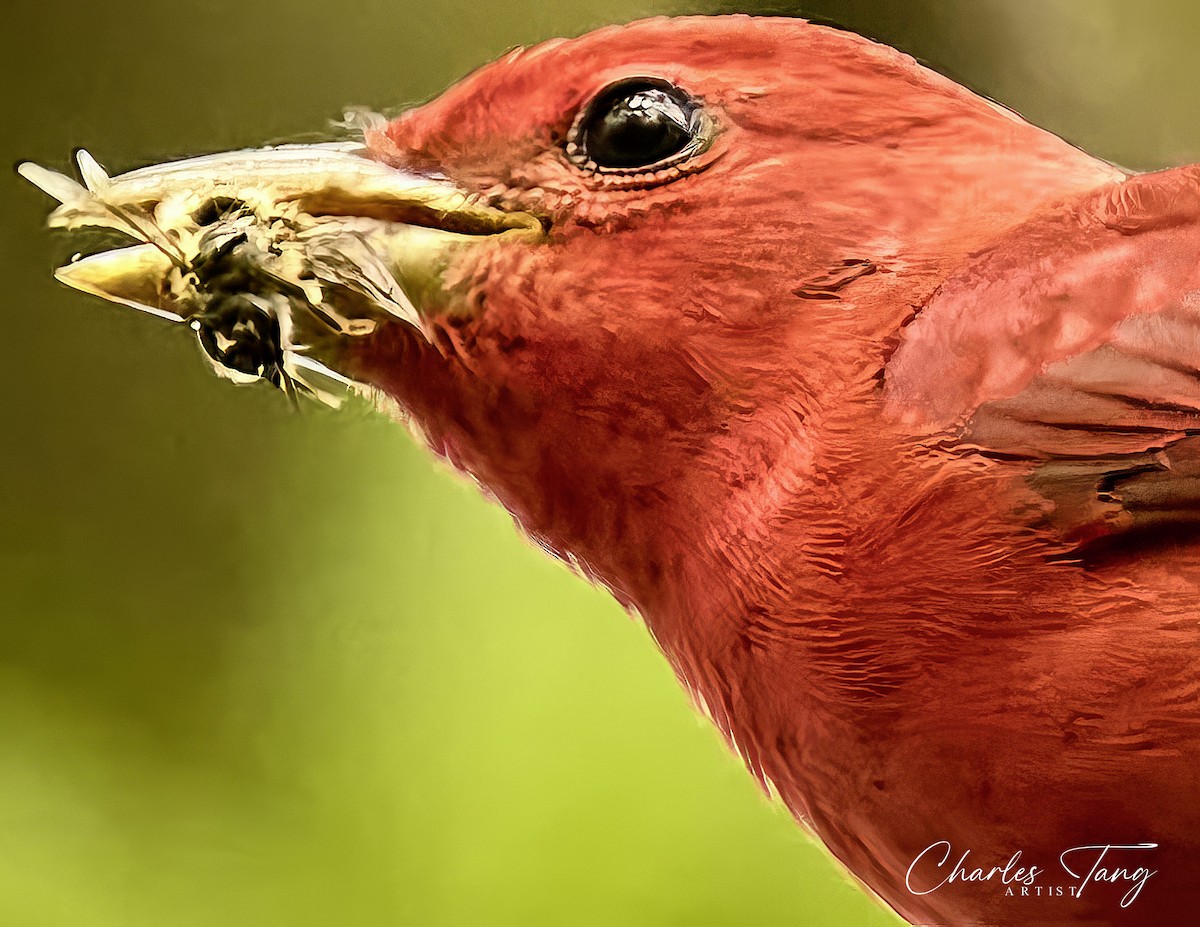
x=320 y=241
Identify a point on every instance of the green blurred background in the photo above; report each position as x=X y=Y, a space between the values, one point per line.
x=260 y=667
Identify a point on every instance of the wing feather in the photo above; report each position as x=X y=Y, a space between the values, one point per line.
x=1074 y=343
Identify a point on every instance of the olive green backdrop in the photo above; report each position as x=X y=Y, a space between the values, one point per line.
x=267 y=668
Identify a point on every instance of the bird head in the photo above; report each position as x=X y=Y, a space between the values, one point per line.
x=618 y=278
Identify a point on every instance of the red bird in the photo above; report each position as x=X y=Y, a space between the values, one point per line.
x=879 y=404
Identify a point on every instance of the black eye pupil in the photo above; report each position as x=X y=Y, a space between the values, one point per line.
x=639 y=123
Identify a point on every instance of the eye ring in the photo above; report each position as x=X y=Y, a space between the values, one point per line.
x=639 y=131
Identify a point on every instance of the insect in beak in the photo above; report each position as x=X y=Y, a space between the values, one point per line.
x=277 y=258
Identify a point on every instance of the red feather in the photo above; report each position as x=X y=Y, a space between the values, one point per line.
x=890 y=527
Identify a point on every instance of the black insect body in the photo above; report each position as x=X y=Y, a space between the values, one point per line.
x=236 y=325
x=239 y=334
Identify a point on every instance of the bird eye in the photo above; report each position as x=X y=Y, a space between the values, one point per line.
x=639 y=124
